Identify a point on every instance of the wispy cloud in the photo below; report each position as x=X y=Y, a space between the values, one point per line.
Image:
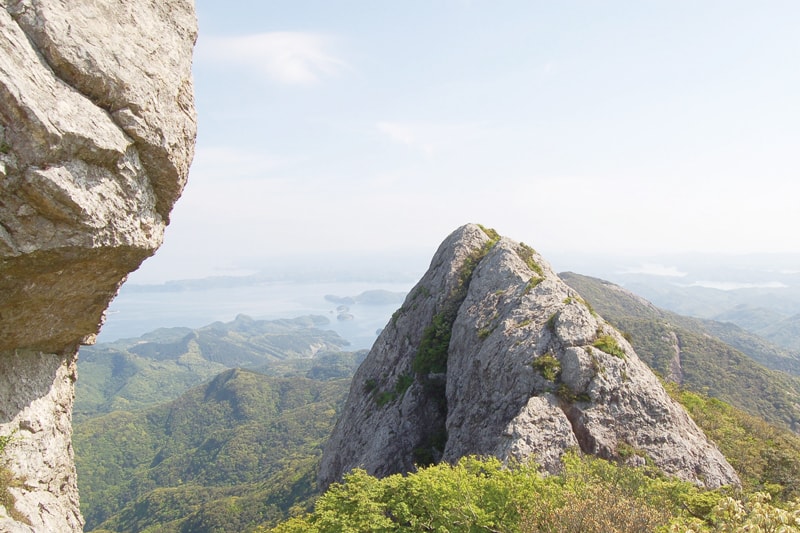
x=295 y=58
x=431 y=137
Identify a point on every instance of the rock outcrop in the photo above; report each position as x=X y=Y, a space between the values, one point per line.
x=492 y=354
x=97 y=130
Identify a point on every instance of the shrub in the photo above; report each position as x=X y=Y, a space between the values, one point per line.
x=608 y=344
x=475 y=494
x=403 y=383
x=490 y=232
x=385 y=397
x=7 y=480
x=532 y=283
x=432 y=353
x=526 y=253
x=548 y=366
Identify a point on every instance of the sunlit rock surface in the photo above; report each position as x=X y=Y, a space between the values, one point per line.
x=97 y=131
x=530 y=371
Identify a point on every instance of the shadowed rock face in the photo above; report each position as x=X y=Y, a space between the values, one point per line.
x=526 y=370
x=97 y=130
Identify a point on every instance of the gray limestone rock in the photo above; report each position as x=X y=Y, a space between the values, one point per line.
x=97 y=130
x=528 y=371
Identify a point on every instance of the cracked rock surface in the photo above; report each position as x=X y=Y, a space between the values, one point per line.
x=97 y=132
x=528 y=370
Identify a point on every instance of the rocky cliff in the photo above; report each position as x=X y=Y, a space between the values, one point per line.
x=97 y=130
x=492 y=354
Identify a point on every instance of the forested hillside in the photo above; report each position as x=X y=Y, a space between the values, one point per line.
x=231 y=454
x=158 y=366
x=717 y=359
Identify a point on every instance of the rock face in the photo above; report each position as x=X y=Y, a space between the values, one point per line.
x=97 y=130
x=492 y=354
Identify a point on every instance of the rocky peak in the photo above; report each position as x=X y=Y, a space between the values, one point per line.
x=492 y=354
x=97 y=131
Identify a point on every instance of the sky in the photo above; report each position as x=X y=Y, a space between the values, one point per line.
x=377 y=127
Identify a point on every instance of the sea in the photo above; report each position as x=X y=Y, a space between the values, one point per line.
x=139 y=309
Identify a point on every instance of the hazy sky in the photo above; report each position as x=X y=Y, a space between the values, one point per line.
x=351 y=126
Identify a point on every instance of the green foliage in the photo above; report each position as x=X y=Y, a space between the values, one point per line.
x=532 y=284
x=159 y=366
x=754 y=512
x=385 y=397
x=526 y=253
x=403 y=383
x=526 y=322
x=490 y=232
x=236 y=452
x=7 y=500
x=568 y=395
x=483 y=495
x=608 y=344
x=548 y=366
x=7 y=480
x=370 y=385
x=551 y=321
x=588 y=306
x=483 y=333
x=766 y=457
x=421 y=291
x=5 y=440
x=432 y=353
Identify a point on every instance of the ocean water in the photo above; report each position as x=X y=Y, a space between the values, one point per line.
x=137 y=310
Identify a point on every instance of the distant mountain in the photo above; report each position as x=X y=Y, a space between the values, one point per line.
x=744 y=370
x=225 y=456
x=371 y=297
x=754 y=319
x=785 y=333
x=160 y=365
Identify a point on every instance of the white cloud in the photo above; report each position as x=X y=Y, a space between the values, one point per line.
x=294 y=58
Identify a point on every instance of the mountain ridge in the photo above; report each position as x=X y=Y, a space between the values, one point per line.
x=159 y=365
